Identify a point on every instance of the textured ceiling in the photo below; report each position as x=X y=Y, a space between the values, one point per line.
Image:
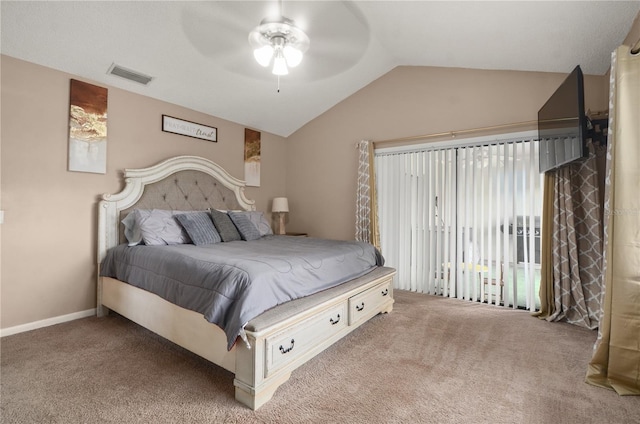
x=200 y=58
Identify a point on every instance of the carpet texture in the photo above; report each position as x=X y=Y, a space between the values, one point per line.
x=432 y=360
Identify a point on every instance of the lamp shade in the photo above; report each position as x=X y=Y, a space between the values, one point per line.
x=280 y=204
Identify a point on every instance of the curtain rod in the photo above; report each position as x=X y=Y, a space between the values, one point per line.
x=453 y=134
x=635 y=49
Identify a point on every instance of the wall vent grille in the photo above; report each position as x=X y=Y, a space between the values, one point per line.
x=125 y=73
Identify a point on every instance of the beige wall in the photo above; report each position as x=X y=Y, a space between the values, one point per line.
x=321 y=156
x=48 y=236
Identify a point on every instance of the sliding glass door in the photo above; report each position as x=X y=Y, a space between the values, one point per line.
x=463 y=222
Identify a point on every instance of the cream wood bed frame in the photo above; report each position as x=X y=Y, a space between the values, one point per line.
x=280 y=339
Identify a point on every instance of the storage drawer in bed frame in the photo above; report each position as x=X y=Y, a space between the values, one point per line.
x=280 y=344
x=291 y=344
x=368 y=303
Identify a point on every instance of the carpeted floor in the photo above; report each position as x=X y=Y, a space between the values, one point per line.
x=432 y=360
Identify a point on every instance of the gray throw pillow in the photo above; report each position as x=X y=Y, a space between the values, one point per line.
x=199 y=227
x=132 y=229
x=245 y=227
x=224 y=225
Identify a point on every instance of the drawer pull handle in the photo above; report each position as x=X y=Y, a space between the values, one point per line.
x=287 y=350
x=385 y=292
x=336 y=321
x=360 y=307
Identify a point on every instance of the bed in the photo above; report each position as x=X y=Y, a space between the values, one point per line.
x=269 y=345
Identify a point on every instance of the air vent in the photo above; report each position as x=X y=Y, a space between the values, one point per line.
x=129 y=74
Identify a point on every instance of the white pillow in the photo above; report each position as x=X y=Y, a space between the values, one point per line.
x=257 y=218
x=154 y=227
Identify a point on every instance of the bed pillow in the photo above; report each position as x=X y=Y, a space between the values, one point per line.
x=245 y=227
x=224 y=225
x=258 y=219
x=199 y=227
x=131 y=230
x=159 y=227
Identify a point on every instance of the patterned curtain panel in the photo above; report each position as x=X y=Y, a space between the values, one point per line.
x=366 y=201
x=616 y=357
x=577 y=244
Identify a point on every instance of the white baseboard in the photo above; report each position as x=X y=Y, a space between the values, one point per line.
x=46 y=322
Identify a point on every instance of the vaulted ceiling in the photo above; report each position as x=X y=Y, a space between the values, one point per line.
x=199 y=56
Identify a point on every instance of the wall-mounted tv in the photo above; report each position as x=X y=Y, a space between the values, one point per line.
x=562 y=124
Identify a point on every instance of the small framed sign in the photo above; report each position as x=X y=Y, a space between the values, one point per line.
x=189 y=129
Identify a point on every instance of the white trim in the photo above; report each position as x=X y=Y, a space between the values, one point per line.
x=46 y=322
x=461 y=142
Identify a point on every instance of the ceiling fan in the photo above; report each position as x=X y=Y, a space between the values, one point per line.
x=280 y=42
x=220 y=31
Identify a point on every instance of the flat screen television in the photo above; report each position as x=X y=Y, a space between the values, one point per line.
x=562 y=124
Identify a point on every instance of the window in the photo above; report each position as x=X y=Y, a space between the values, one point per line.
x=463 y=221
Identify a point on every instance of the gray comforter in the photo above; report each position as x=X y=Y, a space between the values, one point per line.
x=231 y=283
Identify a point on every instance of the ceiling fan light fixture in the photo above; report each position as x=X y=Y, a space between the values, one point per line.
x=292 y=55
x=280 y=64
x=278 y=40
x=263 y=55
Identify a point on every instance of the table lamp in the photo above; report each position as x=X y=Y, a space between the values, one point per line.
x=280 y=206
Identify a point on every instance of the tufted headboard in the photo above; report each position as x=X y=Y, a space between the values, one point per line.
x=184 y=191
x=179 y=183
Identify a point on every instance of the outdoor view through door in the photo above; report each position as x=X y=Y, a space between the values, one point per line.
x=463 y=222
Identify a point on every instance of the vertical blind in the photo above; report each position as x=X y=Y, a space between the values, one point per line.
x=463 y=222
